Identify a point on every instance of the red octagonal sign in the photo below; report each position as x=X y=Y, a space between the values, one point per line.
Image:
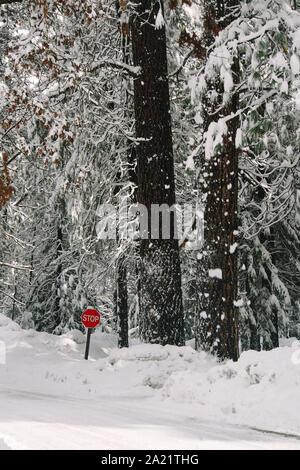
x=90 y=318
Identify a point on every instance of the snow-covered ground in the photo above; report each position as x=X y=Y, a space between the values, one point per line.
x=144 y=397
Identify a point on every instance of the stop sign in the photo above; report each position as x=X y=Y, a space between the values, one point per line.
x=90 y=318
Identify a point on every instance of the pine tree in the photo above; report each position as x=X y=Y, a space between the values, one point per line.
x=217 y=316
x=268 y=176
x=161 y=314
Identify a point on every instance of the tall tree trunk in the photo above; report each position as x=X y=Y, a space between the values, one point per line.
x=253 y=323
x=121 y=293
x=122 y=304
x=58 y=272
x=254 y=336
x=161 y=311
x=217 y=316
x=275 y=332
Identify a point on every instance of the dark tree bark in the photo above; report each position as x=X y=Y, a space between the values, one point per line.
x=161 y=312
x=58 y=272
x=275 y=332
x=121 y=292
x=4 y=2
x=122 y=305
x=254 y=337
x=217 y=318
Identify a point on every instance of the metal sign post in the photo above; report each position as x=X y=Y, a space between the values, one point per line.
x=90 y=318
x=87 y=345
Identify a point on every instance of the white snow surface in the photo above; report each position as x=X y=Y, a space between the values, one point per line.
x=144 y=397
x=217 y=273
x=159 y=22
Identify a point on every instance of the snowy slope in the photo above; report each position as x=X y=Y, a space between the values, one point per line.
x=145 y=397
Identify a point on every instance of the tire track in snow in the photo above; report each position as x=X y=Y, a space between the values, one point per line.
x=57 y=422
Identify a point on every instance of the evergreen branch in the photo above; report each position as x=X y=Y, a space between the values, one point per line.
x=133 y=71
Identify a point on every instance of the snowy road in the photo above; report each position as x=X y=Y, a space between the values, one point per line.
x=43 y=421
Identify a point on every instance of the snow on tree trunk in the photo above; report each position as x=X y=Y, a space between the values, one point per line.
x=121 y=295
x=161 y=312
x=217 y=316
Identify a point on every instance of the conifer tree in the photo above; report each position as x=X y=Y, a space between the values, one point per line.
x=161 y=311
x=217 y=316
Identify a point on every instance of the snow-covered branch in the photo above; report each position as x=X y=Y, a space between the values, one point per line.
x=133 y=71
x=15 y=266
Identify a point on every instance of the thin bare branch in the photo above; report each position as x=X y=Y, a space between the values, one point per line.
x=15 y=266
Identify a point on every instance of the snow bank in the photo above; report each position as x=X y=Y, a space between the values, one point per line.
x=7 y=324
x=41 y=362
x=3 y=446
x=150 y=366
x=261 y=390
